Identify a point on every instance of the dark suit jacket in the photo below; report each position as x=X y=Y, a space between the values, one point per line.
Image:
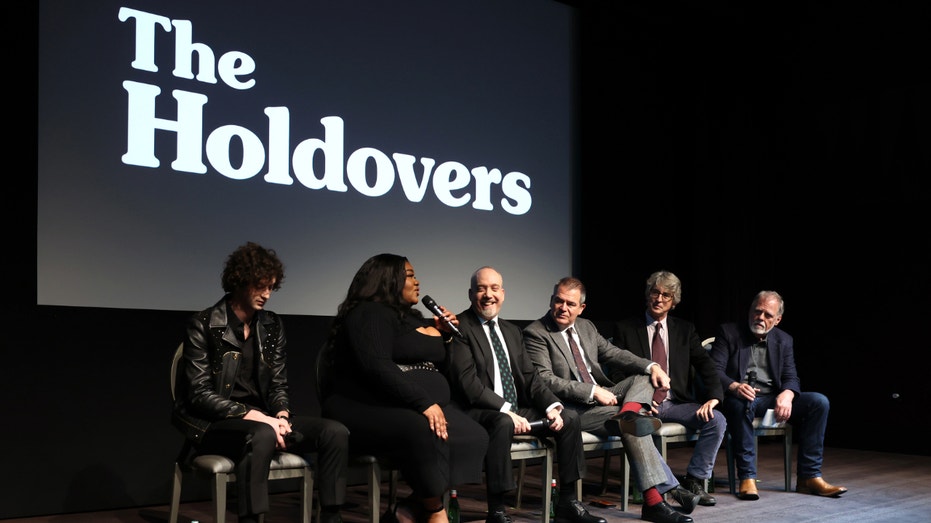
x=731 y=354
x=685 y=353
x=472 y=368
x=554 y=361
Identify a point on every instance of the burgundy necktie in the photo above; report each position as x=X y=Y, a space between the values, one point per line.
x=579 y=361
x=659 y=356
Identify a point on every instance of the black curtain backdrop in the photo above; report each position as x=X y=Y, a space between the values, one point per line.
x=753 y=146
x=740 y=146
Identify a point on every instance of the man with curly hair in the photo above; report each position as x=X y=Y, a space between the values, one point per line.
x=232 y=389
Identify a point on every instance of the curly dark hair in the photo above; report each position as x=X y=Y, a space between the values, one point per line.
x=251 y=264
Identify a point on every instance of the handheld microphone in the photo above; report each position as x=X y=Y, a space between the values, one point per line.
x=430 y=304
x=540 y=423
x=751 y=379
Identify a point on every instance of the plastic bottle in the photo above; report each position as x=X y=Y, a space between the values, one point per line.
x=554 y=499
x=453 y=510
x=637 y=496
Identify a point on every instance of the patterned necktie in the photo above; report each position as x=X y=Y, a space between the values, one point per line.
x=659 y=356
x=579 y=361
x=504 y=368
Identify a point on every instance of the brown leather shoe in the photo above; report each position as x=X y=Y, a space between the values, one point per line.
x=747 y=490
x=818 y=487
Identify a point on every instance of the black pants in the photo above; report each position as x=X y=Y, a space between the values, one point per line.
x=251 y=445
x=499 y=472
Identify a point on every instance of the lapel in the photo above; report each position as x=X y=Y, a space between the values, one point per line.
x=588 y=334
x=512 y=345
x=775 y=360
x=560 y=342
x=743 y=355
x=646 y=346
x=586 y=339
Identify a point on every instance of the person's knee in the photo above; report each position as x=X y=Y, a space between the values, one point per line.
x=263 y=439
x=815 y=405
x=335 y=434
x=500 y=431
x=821 y=401
x=717 y=424
x=571 y=420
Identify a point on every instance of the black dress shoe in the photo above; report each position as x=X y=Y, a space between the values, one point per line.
x=330 y=517
x=574 y=511
x=663 y=513
x=632 y=423
x=697 y=486
x=685 y=498
x=498 y=516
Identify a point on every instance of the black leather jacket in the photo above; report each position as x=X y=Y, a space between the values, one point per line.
x=208 y=368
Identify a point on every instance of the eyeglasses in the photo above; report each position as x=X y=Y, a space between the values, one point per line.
x=665 y=296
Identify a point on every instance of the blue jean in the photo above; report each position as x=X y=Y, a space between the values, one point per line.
x=701 y=465
x=809 y=420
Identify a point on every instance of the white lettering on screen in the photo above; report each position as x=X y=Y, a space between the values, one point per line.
x=450 y=181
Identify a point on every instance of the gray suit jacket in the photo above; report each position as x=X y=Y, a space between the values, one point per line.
x=553 y=360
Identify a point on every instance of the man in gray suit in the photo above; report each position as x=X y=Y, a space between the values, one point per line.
x=568 y=352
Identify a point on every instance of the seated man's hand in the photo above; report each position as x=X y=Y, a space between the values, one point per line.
x=521 y=424
x=604 y=396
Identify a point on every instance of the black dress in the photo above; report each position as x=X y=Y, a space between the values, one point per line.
x=381 y=381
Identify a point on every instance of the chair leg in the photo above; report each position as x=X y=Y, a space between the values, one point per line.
x=731 y=466
x=220 y=482
x=605 y=466
x=393 y=486
x=175 y=494
x=307 y=494
x=374 y=492
x=625 y=488
x=547 y=493
x=787 y=444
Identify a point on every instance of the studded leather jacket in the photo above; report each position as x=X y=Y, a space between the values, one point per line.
x=210 y=363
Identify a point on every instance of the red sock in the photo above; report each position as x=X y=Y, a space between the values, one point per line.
x=651 y=497
x=631 y=406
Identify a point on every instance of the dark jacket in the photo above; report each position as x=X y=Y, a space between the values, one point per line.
x=208 y=368
x=686 y=355
x=472 y=368
x=731 y=354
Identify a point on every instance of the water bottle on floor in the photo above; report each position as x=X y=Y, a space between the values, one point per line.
x=554 y=499
x=453 y=510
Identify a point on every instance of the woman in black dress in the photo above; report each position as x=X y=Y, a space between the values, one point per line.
x=387 y=376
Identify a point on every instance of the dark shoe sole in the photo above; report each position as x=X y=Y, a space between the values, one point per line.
x=639 y=426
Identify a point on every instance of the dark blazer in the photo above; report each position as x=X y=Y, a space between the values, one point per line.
x=685 y=353
x=731 y=354
x=472 y=368
x=554 y=361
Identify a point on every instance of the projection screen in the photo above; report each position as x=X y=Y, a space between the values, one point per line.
x=170 y=132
